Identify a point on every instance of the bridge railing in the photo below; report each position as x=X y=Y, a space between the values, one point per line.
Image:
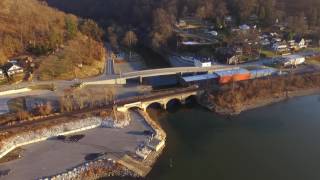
x=156 y=95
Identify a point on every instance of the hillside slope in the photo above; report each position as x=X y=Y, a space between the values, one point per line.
x=60 y=43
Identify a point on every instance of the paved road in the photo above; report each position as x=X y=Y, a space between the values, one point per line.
x=110 y=67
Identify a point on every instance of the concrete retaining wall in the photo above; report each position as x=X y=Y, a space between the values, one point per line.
x=119 y=81
x=16 y=91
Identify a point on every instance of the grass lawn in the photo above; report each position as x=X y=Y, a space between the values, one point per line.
x=64 y=71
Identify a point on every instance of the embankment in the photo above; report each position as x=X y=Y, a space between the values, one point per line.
x=235 y=98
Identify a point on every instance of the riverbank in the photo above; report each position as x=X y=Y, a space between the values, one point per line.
x=268 y=101
x=232 y=99
x=260 y=102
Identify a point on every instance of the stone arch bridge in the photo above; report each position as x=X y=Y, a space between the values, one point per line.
x=162 y=98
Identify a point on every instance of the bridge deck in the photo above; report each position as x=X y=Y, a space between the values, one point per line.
x=156 y=95
x=171 y=71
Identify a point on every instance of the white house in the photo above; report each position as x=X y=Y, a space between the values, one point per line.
x=302 y=43
x=12 y=69
x=279 y=47
x=293 y=60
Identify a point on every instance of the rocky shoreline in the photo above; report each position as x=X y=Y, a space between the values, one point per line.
x=94 y=170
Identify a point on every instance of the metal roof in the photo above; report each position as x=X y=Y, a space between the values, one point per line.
x=200 y=77
x=232 y=72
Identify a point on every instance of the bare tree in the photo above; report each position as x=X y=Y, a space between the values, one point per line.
x=130 y=39
x=23 y=115
x=113 y=38
x=3 y=58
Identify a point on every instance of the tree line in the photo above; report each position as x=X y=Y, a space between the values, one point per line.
x=154 y=19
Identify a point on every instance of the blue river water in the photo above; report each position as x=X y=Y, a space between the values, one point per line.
x=277 y=142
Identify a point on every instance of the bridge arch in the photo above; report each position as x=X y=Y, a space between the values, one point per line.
x=191 y=98
x=153 y=104
x=172 y=101
x=163 y=101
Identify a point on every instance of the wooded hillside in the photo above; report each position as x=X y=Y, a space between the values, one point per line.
x=31 y=27
x=302 y=16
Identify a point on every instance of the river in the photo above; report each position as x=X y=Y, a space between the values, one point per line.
x=276 y=142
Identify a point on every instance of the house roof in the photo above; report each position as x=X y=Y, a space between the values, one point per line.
x=9 y=65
